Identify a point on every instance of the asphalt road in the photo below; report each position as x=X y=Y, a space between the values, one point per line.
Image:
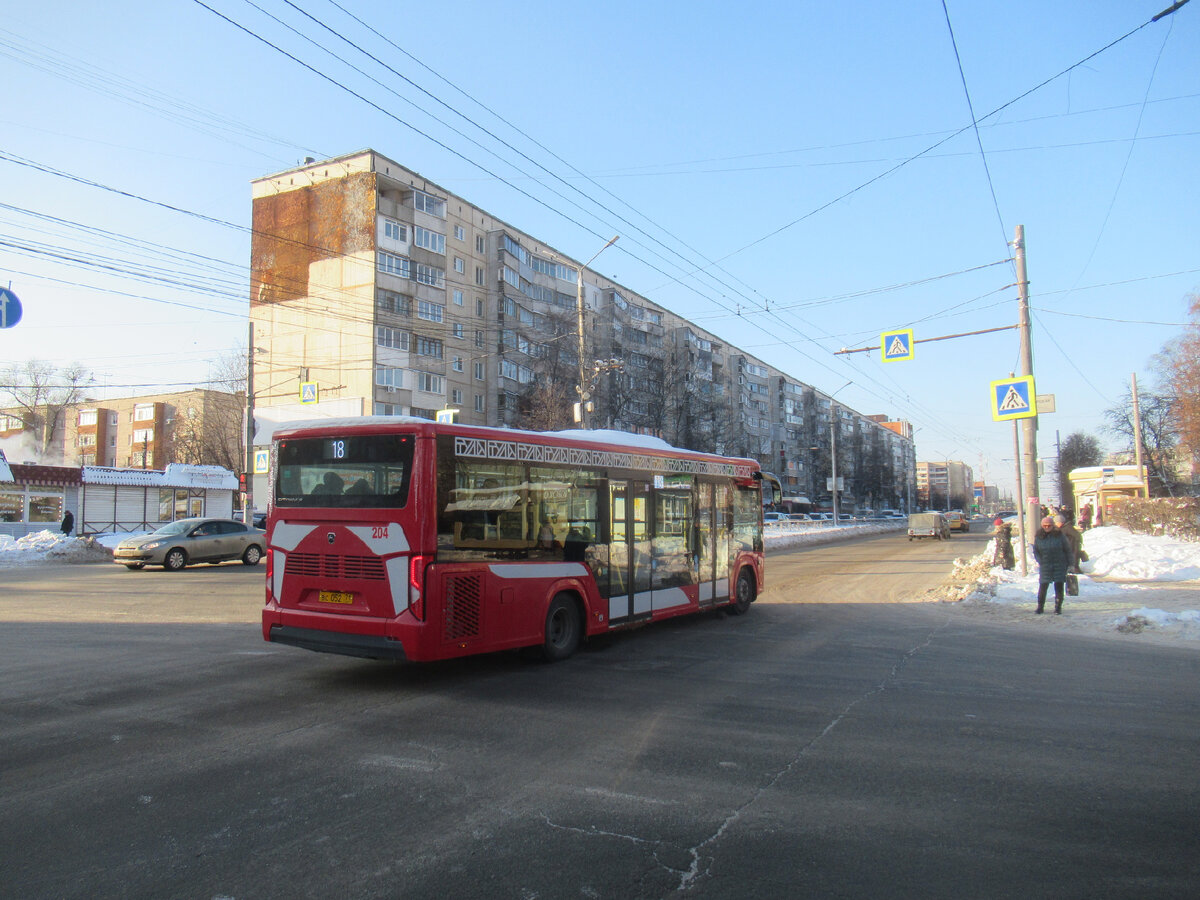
x=825 y=744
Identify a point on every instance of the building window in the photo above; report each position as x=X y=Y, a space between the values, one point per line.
x=430 y=275
x=394 y=230
x=457 y=364
x=143 y=413
x=430 y=383
x=479 y=243
x=85 y=440
x=479 y=275
x=479 y=339
x=479 y=307
x=458 y=329
x=389 y=376
x=458 y=298
x=391 y=264
x=88 y=417
x=428 y=203
x=142 y=436
x=479 y=371
x=430 y=240
x=432 y=312
x=429 y=347
x=390 y=301
x=396 y=338
x=460 y=233
x=456 y=396
x=459 y=265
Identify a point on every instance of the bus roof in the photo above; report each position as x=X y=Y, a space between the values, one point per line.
x=605 y=438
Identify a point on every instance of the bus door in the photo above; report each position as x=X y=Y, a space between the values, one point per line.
x=629 y=550
x=705 y=543
x=723 y=529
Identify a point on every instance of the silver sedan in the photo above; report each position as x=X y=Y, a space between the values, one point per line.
x=191 y=541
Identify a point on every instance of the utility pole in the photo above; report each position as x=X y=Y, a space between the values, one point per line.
x=833 y=430
x=248 y=505
x=1031 y=500
x=1137 y=439
x=584 y=381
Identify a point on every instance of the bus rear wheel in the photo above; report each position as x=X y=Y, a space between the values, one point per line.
x=744 y=596
x=564 y=628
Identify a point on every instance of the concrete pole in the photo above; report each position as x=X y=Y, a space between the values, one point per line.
x=1031 y=500
x=248 y=506
x=584 y=393
x=833 y=430
x=1020 y=506
x=1143 y=476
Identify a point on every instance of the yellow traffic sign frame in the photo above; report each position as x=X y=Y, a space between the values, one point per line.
x=1013 y=398
x=896 y=346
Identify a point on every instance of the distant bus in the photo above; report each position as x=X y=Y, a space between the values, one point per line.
x=401 y=538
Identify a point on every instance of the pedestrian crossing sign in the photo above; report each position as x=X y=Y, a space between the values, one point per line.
x=308 y=392
x=896 y=345
x=1013 y=398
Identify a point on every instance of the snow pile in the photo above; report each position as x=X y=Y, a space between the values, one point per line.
x=50 y=547
x=1121 y=555
x=1122 y=566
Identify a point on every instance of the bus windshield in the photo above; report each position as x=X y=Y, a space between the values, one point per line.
x=355 y=471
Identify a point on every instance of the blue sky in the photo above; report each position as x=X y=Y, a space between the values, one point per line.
x=763 y=166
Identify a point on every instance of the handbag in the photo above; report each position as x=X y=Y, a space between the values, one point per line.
x=1072 y=584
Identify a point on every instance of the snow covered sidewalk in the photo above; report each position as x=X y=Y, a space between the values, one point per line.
x=1132 y=584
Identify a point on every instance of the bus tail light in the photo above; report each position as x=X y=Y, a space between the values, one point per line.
x=270 y=571
x=416 y=584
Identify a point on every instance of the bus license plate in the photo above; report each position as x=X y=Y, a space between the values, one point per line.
x=336 y=597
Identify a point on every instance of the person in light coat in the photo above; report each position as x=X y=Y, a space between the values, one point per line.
x=1052 y=551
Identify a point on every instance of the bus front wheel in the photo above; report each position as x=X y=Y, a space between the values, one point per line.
x=744 y=596
x=564 y=627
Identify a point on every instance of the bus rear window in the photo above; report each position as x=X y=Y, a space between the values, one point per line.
x=356 y=471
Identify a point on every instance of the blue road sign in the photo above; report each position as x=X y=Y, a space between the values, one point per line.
x=896 y=345
x=10 y=308
x=1013 y=398
x=308 y=392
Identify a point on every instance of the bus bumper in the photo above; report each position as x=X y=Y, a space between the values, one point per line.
x=367 y=646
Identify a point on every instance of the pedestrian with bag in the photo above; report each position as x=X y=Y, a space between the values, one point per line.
x=1052 y=551
x=1075 y=540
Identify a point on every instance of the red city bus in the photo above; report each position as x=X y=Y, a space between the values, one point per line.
x=401 y=538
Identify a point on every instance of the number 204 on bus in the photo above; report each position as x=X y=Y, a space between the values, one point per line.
x=399 y=538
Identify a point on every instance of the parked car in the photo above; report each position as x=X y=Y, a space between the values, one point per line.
x=956 y=521
x=770 y=517
x=186 y=541
x=928 y=524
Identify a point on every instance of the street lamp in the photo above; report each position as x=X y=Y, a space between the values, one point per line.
x=833 y=430
x=584 y=394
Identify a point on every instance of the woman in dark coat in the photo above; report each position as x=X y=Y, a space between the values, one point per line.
x=1053 y=554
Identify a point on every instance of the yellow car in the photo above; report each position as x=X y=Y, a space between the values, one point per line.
x=957 y=521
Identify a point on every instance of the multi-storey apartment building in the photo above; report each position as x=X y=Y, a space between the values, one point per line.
x=375 y=291
x=198 y=426
x=945 y=485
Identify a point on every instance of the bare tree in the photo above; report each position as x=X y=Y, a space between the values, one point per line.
x=41 y=392
x=1077 y=451
x=1160 y=435
x=1178 y=368
x=546 y=406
